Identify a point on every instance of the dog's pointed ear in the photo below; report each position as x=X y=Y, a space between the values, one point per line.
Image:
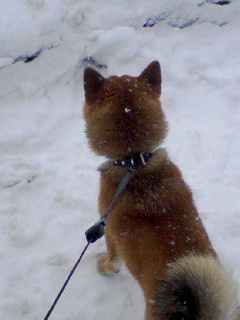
x=93 y=84
x=152 y=74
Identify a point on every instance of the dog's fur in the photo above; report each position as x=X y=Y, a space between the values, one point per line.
x=154 y=225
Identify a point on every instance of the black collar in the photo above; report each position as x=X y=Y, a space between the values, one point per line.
x=133 y=161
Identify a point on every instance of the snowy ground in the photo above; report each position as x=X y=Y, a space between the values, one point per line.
x=48 y=177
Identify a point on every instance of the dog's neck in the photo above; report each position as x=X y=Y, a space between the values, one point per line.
x=133 y=161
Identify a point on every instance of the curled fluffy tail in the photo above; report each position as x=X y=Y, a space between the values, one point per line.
x=196 y=288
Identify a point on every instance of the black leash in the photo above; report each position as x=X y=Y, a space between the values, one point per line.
x=66 y=282
x=97 y=230
x=132 y=163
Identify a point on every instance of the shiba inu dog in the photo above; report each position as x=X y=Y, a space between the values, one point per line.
x=154 y=226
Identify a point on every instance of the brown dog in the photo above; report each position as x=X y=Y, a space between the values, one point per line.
x=154 y=225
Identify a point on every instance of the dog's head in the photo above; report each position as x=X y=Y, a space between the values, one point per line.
x=123 y=114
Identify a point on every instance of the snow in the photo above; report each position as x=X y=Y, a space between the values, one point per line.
x=48 y=177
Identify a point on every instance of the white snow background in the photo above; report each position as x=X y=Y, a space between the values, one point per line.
x=48 y=178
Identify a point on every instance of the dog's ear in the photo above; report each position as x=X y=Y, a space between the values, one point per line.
x=93 y=84
x=152 y=74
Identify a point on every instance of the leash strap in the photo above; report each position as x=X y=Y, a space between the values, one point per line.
x=65 y=283
x=97 y=230
x=132 y=163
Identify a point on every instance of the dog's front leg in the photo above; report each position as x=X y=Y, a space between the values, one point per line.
x=108 y=263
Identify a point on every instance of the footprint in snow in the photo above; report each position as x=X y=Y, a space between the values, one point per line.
x=14 y=171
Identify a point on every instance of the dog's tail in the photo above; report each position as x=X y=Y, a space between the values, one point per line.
x=197 y=287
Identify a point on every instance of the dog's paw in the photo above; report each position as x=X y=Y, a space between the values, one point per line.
x=105 y=266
